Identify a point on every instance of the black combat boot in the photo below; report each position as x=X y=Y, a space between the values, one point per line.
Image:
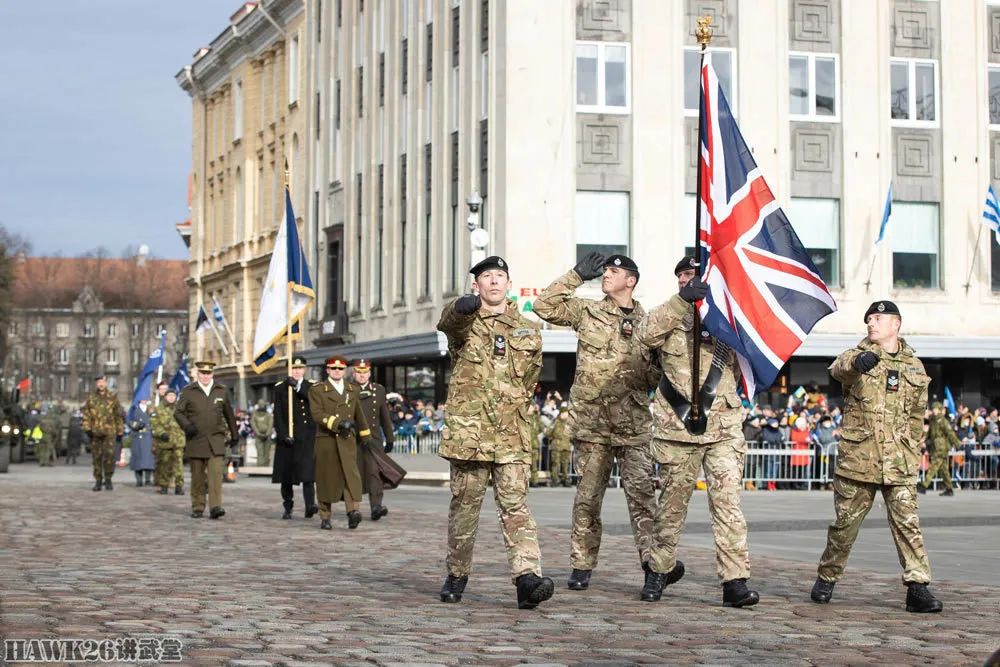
x=453 y=588
x=379 y=511
x=179 y=491
x=736 y=594
x=108 y=486
x=579 y=580
x=920 y=601
x=197 y=514
x=822 y=591
x=311 y=511
x=532 y=590
x=97 y=485
x=947 y=493
x=921 y=489
x=353 y=519
x=652 y=591
x=288 y=510
x=164 y=490
x=325 y=524
x=216 y=513
x=138 y=479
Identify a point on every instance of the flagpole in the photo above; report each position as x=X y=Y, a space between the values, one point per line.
x=975 y=256
x=696 y=421
x=288 y=307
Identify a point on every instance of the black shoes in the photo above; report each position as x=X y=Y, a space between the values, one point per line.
x=652 y=590
x=197 y=514
x=179 y=491
x=920 y=601
x=921 y=489
x=311 y=511
x=532 y=590
x=579 y=580
x=379 y=511
x=107 y=485
x=947 y=493
x=325 y=524
x=216 y=513
x=287 y=513
x=453 y=588
x=163 y=490
x=736 y=594
x=822 y=591
x=353 y=519
x=97 y=486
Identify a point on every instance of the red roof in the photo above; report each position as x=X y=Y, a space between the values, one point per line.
x=56 y=282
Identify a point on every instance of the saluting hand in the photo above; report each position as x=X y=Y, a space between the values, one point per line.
x=695 y=290
x=591 y=266
x=468 y=304
x=865 y=361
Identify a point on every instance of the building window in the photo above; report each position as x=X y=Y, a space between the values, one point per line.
x=377 y=301
x=361 y=92
x=340 y=12
x=401 y=289
x=358 y=194
x=38 y=328
x=916 y=234
x=334 y=259
x=88 y=330
x=724 y=63
x=63 y=383
x=403 y=65
x=428 y=208
x=484 y=26
x=12 y=329
x=381 y=79
x=484 y=165
x=455 y=233
x=455 y=35
x=913 y=91
x=430 y=51
x=134 y=356
x=38 y=355
x=238 y=111
x=995 y=263
x=63 y=356
x=293 y=70
x=602 y=223
x=817 y=224
x=813 y=84
x=112 y=355
x=62 y=329
x=136 y=330
x=112 y=330
x=994 y=96
x=602 y=77
x=88 y=356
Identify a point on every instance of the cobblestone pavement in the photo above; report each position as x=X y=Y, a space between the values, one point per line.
x=251 y=590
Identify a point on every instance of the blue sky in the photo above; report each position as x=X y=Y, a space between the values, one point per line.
x=96 y=144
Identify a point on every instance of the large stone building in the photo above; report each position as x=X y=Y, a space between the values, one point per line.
x=575 y=122
x=73 y=318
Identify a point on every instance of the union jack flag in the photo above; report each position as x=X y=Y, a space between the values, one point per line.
x=765 y=294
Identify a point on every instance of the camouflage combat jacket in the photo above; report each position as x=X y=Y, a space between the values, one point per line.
x=609 y=401
x=102 y=415
x=942 y=437
x=162 y=421
x=558 y=435
x=668 y=329
x=496 y=361
x=883 y=428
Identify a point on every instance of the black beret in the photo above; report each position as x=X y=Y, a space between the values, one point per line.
x=621 y=262
x=492 y=262
x=687 y=263
x=882 y=308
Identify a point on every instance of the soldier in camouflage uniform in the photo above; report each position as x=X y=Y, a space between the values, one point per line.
x=942 y=438
x=103 y=422
x=45 y=450
x=263 y=423
x=168 y=445
x=720 y=450
x=537 y=428
x=609 y=403
x=885 y=394
x=496 y=357
x=560 y=448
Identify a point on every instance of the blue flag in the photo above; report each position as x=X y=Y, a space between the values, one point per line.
x=145 y=385
x=885 y=214
x=991 y=214
x=949 y=402
x=181 y=378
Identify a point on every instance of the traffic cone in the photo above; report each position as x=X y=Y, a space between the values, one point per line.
x=230 y=473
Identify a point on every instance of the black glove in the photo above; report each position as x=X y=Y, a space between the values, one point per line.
x=292 y=381
x=345 y=427
x=865 y=361
x=388 y=446
x=89 y=434
x=190 y=431
x=591 y=266
x=165 y=437
x=288 y=441
x=695 y=290
x=468 y=304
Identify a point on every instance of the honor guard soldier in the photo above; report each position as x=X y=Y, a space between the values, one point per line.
x=496 y=357
x=609 y=403
x=720 y=450
x=336 y=408
x=373 y=402
x=293 y=458
x=103 y=422
x=206 y=417
x=885 y=395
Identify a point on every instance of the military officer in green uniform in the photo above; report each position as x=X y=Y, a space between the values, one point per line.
x=341 y=425
x=537 y=428
x=262 y=422
x=496 y=357
x=719 y=450
x=376 y=410
x=942 y=438
x=168 y=444
x=885 y=395
x=609 y=403
x=560 y=448
x=103 y=422
x=206 y=417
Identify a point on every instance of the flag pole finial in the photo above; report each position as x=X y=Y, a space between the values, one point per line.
x=703 y=33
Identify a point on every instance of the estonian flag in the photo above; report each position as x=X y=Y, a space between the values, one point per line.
x=287 y=294
x=202 y=323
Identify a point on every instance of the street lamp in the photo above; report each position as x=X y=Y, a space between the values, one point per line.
x=479 y=238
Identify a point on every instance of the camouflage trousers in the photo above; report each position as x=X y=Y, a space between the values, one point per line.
x=723 y=465
x=169 y=467
x=559 y=466
x=940 y=467
x=593 y=468
x=851 y=501
x=510 y=490
x=102 y=449
x=536 y=463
